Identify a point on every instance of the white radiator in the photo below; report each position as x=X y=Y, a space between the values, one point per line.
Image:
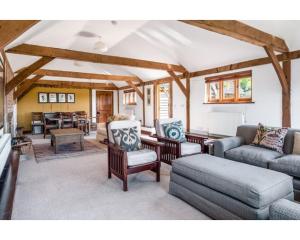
x=224 y=123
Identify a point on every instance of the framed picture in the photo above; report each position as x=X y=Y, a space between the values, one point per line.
x=52 y=98
x=71 y=97
x=148 y=96
x=61 y=97
x=43 y=97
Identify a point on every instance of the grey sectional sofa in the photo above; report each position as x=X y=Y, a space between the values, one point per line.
x=239 y=148
x=225 y=189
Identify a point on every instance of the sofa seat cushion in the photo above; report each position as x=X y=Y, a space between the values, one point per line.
x=142 y=156
x=253 y=155
x=190 y=148
x=255 y=186
x=289 y=164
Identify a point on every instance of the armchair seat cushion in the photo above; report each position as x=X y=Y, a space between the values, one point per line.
x=289 y=164
x=188 y=148
x=142 y=156
x=252 y=155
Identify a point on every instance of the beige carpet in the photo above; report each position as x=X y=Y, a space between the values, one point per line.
x=78 y=188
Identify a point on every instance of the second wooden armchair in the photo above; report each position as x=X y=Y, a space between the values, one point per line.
x=121 y=163
x=173 y=149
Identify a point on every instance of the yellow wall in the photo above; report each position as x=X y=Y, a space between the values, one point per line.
x=29 y=103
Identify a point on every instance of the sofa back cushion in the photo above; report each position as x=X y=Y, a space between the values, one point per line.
x=248 y=132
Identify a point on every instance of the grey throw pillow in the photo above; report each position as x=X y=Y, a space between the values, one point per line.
x=127 y=138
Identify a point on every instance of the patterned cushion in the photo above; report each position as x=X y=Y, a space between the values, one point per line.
x=174 y=130
x=272 y=138
x=127 y=138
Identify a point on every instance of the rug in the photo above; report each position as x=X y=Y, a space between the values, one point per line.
x=45 y=152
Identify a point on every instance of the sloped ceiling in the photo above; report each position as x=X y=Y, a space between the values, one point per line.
x=163 y=41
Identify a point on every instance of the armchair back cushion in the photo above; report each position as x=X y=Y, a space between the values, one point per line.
x=159 y=125
x=127 y=138
x=248 y=133
x=174 y=131
x=122 y=124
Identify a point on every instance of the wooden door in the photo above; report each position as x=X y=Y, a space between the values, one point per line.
x=104 y=105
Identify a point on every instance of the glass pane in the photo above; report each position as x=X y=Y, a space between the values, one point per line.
x=228 y=89
x=214 y=90
x=245 y=87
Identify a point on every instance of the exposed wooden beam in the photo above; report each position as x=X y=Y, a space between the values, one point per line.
x=21 y=76
x=35 y=50
x=278 y=68
x=241 y=31
x=60 y=73
x=72 y=84
x=25 y=87
x=230 y=67
x=138 y=91
x=179 y=83
x=11 y=29
x=286 y=96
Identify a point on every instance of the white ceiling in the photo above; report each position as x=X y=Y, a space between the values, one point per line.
x=163 y=41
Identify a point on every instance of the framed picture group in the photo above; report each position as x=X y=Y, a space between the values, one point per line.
x=56 y=97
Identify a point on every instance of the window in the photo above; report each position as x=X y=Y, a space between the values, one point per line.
x=164 y=101
x=129 y=98
x=229 y=88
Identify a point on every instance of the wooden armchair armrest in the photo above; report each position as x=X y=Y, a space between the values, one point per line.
x=164 y=139
x=116 y=148
x=152 y=145
x=195 y=138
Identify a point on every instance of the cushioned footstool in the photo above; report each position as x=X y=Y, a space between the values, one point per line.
x=225 y=189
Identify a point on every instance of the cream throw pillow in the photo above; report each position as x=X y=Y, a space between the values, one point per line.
x=296 y=143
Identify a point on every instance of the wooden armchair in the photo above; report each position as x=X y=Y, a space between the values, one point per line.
x=173 y=149
x=67 y=120
x=37 y=124
x=82 y=121
x=122 y=163
x=51 y=121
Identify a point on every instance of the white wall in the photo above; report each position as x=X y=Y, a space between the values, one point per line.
x=137 y=110
x=149 y=120
x=265 y=109
x=266 y=97
x=179 y=103
x=295 y=98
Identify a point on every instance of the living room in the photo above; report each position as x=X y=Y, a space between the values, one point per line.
x=182 y=119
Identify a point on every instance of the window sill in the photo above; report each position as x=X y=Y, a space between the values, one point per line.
x=228 y=103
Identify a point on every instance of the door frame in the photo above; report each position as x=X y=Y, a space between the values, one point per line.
x=112 y=101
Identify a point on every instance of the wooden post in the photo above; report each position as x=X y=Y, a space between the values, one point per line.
x=144 y=117
x=171 y=99
x=154 y=101
x=286 y=96
x=118 y=92
x=188 y=96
